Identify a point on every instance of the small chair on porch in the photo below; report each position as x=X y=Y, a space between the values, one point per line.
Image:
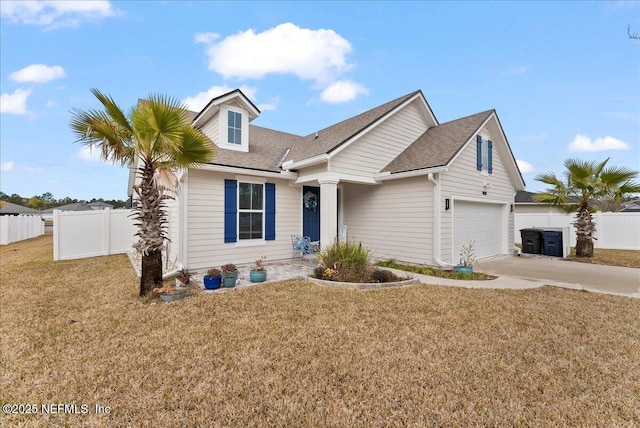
x=303 y=245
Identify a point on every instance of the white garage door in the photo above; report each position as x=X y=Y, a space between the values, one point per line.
x=482 y=223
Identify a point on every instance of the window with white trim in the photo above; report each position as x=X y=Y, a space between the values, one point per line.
x=234 y=127
x=485 y=155
x=250 y=210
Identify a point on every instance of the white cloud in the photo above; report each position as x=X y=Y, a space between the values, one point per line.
x=87 y=154
x=6 y=166
x=342 y=91
x=54 y=14
x=271 y=105
x=582 y=143
x=37 y=73
x=623 y=115
x=524 y=166
x=199 y=100
x=15 y=103
x=206 y=38
x=522 y=69
x=317 y=55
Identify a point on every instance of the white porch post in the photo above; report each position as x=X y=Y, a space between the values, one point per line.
x=328 y=211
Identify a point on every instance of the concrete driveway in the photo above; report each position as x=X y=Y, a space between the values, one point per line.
x=554 y=271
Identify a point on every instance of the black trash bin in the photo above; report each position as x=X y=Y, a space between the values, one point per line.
x=552 y=243
x=531 y=240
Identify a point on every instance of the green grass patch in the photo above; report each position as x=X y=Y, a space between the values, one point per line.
x=426 y=270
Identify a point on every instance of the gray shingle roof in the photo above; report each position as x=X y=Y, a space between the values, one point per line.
x=78 y=206
x=266 y=150
x=334 y=136
x=11 y=208
x=438 y=145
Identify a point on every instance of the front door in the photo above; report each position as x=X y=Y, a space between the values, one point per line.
x=311 y=212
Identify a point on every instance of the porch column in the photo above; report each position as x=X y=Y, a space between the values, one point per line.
x=328 y=211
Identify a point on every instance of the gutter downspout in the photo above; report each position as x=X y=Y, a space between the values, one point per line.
x=436 y=222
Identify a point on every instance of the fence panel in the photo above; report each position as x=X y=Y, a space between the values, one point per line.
x=613 y=230
x=18 y=228
x=80 y=234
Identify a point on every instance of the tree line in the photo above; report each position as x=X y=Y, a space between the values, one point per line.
x=47 y=200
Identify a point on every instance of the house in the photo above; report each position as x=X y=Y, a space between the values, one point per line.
x=99 y=205
x=77 y=206
x=525 y=203
x=8 y=208
x=400 y=182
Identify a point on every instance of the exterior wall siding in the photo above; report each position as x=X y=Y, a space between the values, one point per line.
x=211 y=129
x=463 y=180
x=393 y=220
x=373 y=151
x=205 y=224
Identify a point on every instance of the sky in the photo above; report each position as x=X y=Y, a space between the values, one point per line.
x=564 y=77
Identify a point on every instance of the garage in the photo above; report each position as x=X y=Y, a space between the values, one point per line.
x=478 y=222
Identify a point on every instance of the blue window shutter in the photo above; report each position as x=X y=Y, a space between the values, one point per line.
x=270 y=212
x=479 y=153
x=230 y=210
x=490 y=157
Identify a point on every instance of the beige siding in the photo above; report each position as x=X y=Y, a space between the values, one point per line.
x=394 y=219
x=205 y=227
x=535 y=209
x=373 y=151
x=211 y=129
x=464 y=180
x=173 y=229
x=310 y=172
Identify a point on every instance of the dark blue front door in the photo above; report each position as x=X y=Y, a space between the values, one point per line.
x=311 y=212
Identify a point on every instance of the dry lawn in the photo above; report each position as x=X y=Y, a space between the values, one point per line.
x=299 y=354
x=602 y=256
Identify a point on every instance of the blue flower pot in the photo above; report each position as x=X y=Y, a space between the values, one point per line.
x=464 y=269
x=212 y=283
x=257 y=276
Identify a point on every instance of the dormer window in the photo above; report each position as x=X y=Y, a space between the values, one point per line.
x=234 y=128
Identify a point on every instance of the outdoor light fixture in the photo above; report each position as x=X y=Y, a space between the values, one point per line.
x=446 y=204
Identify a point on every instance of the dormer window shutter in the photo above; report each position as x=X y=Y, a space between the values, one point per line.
x=479 y=152
x=490 y=168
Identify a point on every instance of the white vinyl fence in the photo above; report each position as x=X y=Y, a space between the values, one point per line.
x=14 y=228
x=79 y=234
x=613 y=230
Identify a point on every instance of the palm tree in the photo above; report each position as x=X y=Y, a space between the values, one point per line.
x=157 y=138
x=584 y=183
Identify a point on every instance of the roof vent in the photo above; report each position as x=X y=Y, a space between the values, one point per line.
x=316 y=134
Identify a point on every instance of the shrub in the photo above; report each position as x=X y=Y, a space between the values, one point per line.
x=344 y=255
x=383 y=275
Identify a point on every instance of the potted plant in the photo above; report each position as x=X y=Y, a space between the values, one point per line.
x=213 y=279
x=467 y=258
x=229 y=275
x=170 y=293
x=182 y=277
x=258 y=272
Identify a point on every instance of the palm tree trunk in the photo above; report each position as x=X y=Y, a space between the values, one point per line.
x=151 y=276
x=151 y=220
x=584 y=230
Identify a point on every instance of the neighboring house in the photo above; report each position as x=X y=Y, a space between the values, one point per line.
x=630 y=207
x=99 y=205
x=8 y=208
x=404 y=185
x=526 y=204
x=78 y=206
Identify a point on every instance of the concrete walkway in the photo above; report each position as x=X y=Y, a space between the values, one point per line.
x=562 y=273
x=526 y=271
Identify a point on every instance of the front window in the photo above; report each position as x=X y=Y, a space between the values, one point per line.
x=234 y=128
x=251 y=210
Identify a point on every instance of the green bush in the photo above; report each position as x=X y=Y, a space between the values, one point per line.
x=345 y=256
